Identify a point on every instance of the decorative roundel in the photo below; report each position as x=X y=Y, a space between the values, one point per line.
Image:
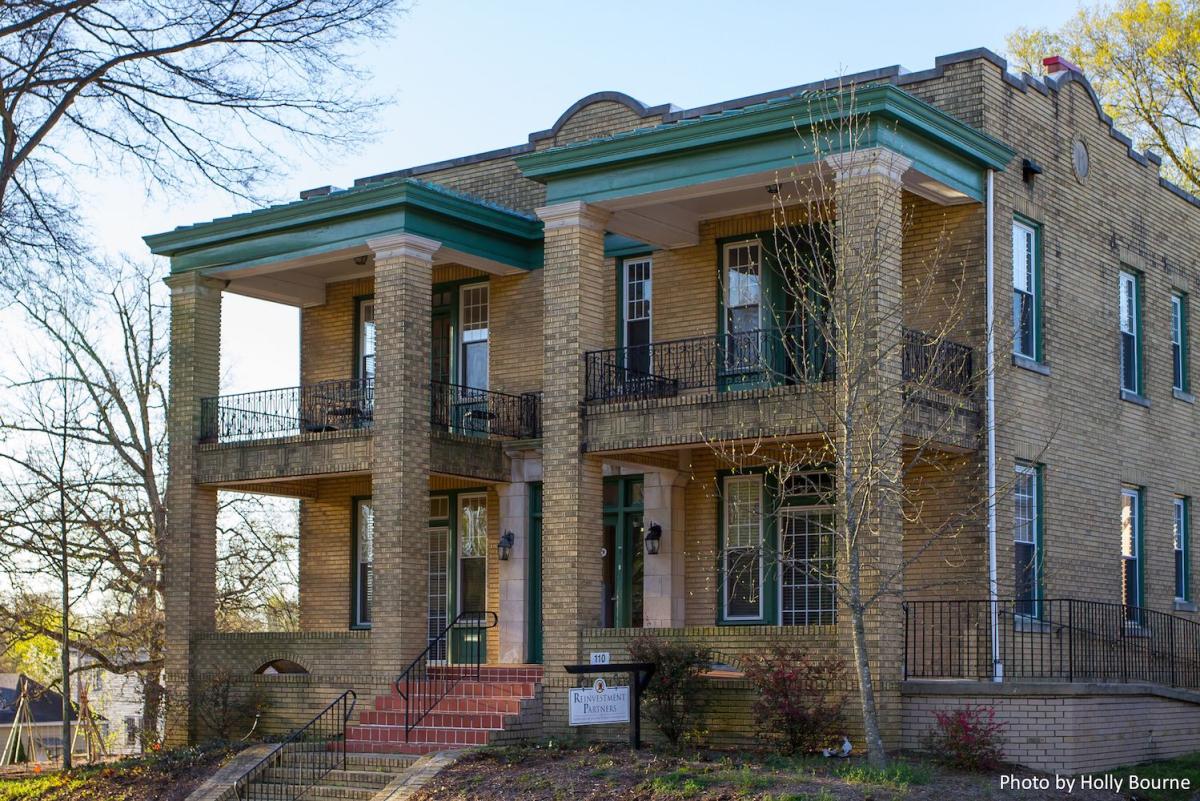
x=1079 y=160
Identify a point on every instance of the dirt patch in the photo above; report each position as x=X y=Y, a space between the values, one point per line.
x=170 y=776
x=616 y=773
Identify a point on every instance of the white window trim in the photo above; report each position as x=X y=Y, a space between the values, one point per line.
x=625 y=265
x=1177 y=342
x=460 y=334
x=359 y=621
x=1135 y=527
x=1130 y=279
x=757 y=480
x=1032 y=472
x=1033 y=288
x=363 y=305
x=785 y=511
x=1179 y=510
x=728 y=246
x=458 y=557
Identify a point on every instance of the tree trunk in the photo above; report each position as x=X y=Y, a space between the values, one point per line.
x=152 y=694
x=876 y=755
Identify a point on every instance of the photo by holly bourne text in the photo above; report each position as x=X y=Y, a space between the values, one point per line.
x=1089 y=782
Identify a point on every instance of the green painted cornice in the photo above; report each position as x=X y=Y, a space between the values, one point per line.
x=346 y=217
x=772 y=118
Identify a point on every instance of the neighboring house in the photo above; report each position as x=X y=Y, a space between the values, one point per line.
x=44 y=722
x=529 y=342
x=116 y=698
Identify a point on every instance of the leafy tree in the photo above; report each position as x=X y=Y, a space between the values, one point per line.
x=1143 y=60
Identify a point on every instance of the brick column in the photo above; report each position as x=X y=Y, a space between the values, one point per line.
x=573 y=290
x=400 y=450
x=190 y=542
x=870 y=237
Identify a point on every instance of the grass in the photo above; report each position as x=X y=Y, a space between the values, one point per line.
x=1184 y=767
x=899 y=774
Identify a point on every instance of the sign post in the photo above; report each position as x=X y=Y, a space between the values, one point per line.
x=601 y=704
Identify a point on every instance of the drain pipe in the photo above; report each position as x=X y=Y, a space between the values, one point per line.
x=993 y=590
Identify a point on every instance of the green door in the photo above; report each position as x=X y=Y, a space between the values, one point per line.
x=624 y=553
x=533 y=601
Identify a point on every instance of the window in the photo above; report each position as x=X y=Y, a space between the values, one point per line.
x=1131 y=349
x=1026 y=540
x=473 y=320
x=1181 y=549
x=1131 y=547
x=808 y=584
x=742 y=557
x=364 y=557
x=131 y=730
x=1179 y=339
x=1026 y=255
x=472 y=553
x=636 y=303
x=743 y=304
x=366 y=338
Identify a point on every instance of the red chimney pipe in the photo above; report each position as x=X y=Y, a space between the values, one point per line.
x=1055 y=64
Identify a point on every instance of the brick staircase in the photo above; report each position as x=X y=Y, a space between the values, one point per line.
x=503 y=701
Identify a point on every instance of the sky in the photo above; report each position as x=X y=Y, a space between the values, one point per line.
x=465 y=76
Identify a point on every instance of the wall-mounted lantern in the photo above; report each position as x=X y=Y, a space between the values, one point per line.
x=653 y=538
x=506 y=545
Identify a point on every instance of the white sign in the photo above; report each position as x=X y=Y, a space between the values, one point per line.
x=592 y=706
x=600 y=657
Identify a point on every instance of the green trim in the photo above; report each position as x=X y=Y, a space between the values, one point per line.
x=348 y=219
x=624 y=544
x=1039 y=533
x=1184 y=344
x=1039 y=301
x=616 y=246
x=533 y=584
x=762 y=138
x=1141 y=566
x=770 y=538
x=355 y=625
x=451 y=524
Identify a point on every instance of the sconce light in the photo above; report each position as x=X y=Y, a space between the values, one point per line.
x=506 y=544
x=653 y=538
x=1029 y=170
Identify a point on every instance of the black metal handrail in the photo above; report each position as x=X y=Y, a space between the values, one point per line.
x=430 y=677
x=469 y=410
x=311 y=408
x=1050 y=639
x=935 y=362
x=663 y=369
x=303 y=759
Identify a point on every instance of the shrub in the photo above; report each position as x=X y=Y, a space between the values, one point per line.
x=800 y=697
x=968 y=739
x=672 y=699
x=226 y=711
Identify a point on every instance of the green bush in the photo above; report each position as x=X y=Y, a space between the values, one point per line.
x=800 y=697
x=672 y=699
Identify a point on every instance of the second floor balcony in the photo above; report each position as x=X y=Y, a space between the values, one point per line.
x=349 y=406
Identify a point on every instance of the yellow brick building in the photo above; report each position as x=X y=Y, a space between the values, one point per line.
x=530 y=379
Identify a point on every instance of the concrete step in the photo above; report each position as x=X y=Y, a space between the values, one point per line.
x=393 y=764
x=342 y=778
x=319 y=792
x=414 y=749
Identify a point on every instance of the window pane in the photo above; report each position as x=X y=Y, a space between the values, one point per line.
x=439 y=590
x=1129 y=362
x=365 y=558
x=366 y=343
x=1130 y=534
x=743 y=547
x=472 y=528
x=1178 y=335
x=475 y=365
x=473 y=591
x=1023 y=308
x=808 y=582
x=742 y=590
x=1180 y=546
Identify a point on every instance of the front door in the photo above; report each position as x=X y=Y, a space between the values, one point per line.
x=468 y=643
x=623 y=555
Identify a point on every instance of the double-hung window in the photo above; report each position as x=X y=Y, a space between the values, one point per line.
x=366 y=339
x=1179 y=342
x=1026 y=311
x=1131 y=550
x=743 y=306
x=1181 y=548
x=1026 y=540
x=742 y=555
x=473 y=320
x=807 y=580
x=636 y=301
x=1129 y=312
x=364 y=558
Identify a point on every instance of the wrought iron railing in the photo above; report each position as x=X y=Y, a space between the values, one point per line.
x=934 y=362
x=312 y=408
x=467 y=410
x=427 y=680
x=1059 y=640
x=303 y=759
x=663 y=369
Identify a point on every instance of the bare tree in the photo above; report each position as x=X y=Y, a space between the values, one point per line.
x=872 y=325
x=113 y=438
x=178 y=90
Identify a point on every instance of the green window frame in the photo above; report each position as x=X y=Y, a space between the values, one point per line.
x=1133 y=542
x=1180 y=372
x=1129 y=323
x=1028 y=306
x=361 y=561
x=1028 y=533
x=533 y=586
x=785 y=521
x=1182 y=531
